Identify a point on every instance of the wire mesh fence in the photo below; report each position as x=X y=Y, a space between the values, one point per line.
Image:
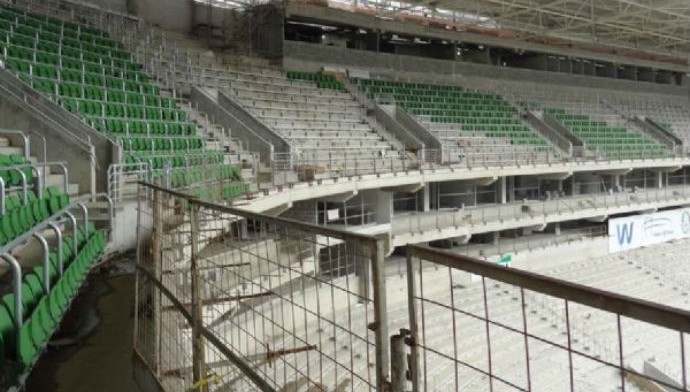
x=230 y=300
x=478 y=326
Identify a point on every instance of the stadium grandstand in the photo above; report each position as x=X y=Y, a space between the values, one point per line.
x=345 y=195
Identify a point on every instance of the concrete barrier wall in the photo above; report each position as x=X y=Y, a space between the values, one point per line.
x=312 y=57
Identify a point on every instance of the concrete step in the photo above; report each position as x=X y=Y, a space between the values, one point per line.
x=99 y=216
x=4 y=142
x=56 y=180
x=73 y=189
x=11 y=150
x=214 y=145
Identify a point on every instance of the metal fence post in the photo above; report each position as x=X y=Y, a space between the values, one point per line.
x=398 y=362
x=137 y=261
x=198 y=349
x=414 y=328
x=157 y=239
x=381 y=314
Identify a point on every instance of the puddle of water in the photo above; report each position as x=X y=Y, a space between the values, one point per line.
x=94 y=348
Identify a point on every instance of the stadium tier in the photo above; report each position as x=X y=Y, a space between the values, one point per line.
x=463 y=117
x=49 y=278
x=455 y=113
x=669 y=113
x=92 y=76
x=324 y=125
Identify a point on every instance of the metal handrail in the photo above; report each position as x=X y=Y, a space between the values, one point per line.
x=43 y=109
x=307 y=227
x=46 y=261
x=25 y=138
x=58 y=236
x=35 y=167
x=638 y=309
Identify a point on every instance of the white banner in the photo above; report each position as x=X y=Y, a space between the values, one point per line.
x=648 y=229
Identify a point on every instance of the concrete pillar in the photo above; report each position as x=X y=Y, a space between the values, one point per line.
x=660 y=179
x=511 y=189
x=496 y=235
x=560 y=185
x=378 y=40
x=384 y=207
x=557 y=228
x=426 y=198
x=502 y=190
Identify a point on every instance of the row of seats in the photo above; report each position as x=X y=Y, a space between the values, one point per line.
x=44 y=320
x=138 y=112
x=230 y=190
x=23 y=49
x=158 y=161
x=184 y=178
x=192 y=181
x=432 y=88
x=72 y=70
x=60 y=83
x=79 y=91
x=326 y=81
x=12 y=177
x=53 y=43
x=20 y=218
x=120 y=127
x=65 y=28
x=156 y=143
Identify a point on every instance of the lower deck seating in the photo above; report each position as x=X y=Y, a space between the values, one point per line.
x=43 y=311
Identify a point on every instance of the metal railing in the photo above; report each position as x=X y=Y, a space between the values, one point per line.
x=479 y=326
x=255 y=302
x=599 y=204
x=123 y=178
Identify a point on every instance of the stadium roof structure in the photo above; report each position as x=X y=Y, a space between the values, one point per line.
x=657 y=30
x=646 y=29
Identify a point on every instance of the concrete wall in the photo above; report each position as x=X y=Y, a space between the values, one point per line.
x=173 y=15
x=123 y=237
x=59 y=148
x=115 y=5
x=312 y=57
x=267 y=31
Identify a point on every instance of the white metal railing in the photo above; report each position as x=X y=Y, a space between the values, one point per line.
x=416 y=222
x=123 y=177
